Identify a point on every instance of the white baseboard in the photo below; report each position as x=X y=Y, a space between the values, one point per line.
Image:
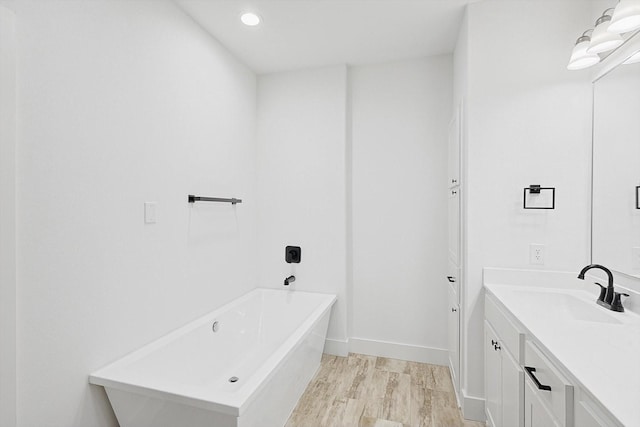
x=473 y=408
x=336 y=347
x=414 y=353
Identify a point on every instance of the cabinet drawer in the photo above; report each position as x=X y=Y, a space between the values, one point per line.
x=586 y=416
x=559 y=400
x=536 y=413
x=588 y=413
x=509 y=335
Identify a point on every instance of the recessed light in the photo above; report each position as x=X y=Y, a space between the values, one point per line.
x=250 y=19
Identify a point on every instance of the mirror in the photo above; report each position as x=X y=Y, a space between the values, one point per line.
x=616 y=170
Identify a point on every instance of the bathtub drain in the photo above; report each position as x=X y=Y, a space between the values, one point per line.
x=233 y=379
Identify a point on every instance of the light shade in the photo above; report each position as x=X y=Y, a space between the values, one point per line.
x=633 y=58
x=626 y=17
x=601 y=39
x=250 y=19
x=580 y=58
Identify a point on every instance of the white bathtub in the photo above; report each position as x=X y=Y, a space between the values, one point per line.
x=272 y=340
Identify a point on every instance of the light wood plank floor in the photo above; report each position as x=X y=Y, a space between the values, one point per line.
x=368 y=391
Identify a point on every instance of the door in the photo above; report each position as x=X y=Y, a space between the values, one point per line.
x=454 y=336
x=454 y=225
x=492 y=377
x=512 y=390
x=454 y=150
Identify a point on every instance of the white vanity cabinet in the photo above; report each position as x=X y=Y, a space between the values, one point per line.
x=525 y=385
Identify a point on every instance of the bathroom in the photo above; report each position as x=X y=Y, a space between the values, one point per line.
x=330 y=121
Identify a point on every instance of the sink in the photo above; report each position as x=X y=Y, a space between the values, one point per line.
x=581 y=310
x=565 y=305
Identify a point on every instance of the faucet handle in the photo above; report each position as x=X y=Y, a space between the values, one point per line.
x=616 y=305
x=603 y=292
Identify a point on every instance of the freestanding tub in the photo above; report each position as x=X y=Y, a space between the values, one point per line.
x=270 y=340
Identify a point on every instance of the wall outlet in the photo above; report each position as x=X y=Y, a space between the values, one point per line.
x=536 y=254
x=150 y=212
x=635 y=259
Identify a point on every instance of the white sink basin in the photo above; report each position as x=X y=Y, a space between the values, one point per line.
x=566 y=305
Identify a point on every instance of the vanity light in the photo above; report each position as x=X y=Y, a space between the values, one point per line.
x=580 y=58
x=626 y=17
x=633 y=58
x=250 y=19
x=602 y=40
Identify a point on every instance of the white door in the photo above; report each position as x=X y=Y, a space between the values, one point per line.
x=454 y=337
x=454 y=150
x=492 y=378
x=454 y=225
x=512 y=390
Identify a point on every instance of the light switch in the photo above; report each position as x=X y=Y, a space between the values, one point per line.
x=150 y=212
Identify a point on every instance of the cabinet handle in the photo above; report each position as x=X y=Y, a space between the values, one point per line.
x=454 y=193
x=497 y=347
x=453 y=309
x=494 y=342
x=540 y=386
x=453 y=181
x=451 y=279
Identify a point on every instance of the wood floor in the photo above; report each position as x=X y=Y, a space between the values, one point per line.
x=368 y=391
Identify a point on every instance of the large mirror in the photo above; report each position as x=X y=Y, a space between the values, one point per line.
x=616 y=170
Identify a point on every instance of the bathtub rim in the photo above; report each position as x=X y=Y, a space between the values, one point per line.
x=227 y=403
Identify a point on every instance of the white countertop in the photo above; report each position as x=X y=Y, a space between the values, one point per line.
x=599 y=348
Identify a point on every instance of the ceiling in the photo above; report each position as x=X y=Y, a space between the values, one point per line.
x=311 y=33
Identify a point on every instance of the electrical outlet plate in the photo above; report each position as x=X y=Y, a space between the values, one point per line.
x=150 y=212
x=635 y=259
x=536 y=254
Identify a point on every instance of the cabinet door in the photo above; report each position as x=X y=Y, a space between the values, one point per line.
x=454 y=225
x=454 y=150
x=512 y=391
x=492 y=378
x=536 y=413
x=454 y=337
x=453 y=278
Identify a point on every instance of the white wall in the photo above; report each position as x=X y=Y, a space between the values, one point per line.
x=122 y=103
x=528 y=122
x=7 y=218
x=301 y=183
x=400 y=113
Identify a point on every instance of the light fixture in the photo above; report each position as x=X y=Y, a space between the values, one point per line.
x=633 y=58
x=626 y=17
x=601 y=39
x=580 y=58
x=250 y=19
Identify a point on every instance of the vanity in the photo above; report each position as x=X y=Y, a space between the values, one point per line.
x=553 y=357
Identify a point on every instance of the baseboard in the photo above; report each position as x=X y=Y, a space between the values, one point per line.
x=473 y=408
x=414 y=353
x=336 y=347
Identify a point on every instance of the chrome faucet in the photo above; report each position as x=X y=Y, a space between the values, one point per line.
x=289 y=280
x=608 y=298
